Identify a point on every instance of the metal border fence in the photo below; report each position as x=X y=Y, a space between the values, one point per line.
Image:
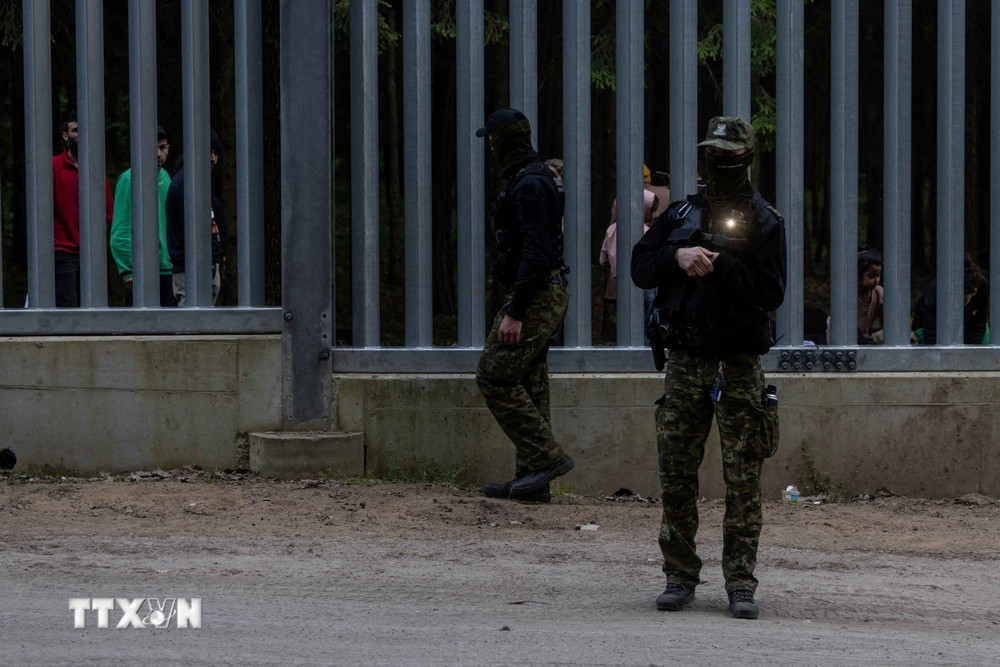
x=307 y=315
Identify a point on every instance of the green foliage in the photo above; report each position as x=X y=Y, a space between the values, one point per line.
x=10 y=23
x=602 y=60
x=495 y=26
x=763 y=60
x=710 y=46
x=342 y=24
x=765 y=121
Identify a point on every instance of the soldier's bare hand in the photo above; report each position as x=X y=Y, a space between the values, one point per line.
x=509 y=332
x=696 y=261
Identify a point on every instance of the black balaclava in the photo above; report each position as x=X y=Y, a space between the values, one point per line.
x=728 y=172
x=510 y=145
x=727 y=175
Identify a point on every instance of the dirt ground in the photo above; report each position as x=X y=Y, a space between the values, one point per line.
x=323 y=572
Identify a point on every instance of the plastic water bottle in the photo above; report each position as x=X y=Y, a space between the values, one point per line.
x=790 y=494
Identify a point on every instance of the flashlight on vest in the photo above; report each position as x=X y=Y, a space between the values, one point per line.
x=734 y=225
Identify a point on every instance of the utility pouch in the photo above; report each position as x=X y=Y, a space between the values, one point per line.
x=767 y=433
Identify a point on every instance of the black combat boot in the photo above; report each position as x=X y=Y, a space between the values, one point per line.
x=538 y=480
x=741 y=604
x=674 y=597
x=505 y=491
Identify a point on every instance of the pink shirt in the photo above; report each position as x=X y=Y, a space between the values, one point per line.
x=609 y=249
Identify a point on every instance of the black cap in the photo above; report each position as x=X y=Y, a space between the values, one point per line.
x=498 y=119
x=161 y=133
x=216 y=143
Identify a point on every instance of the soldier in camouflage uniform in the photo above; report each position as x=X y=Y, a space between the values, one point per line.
x=528 y=261
x=718 y=260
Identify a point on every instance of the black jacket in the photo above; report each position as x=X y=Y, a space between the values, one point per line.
x=529 y=236
x=975 y=315
x=727 y=311
x=174 y=206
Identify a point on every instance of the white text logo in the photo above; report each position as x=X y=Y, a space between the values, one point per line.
x=138 y=613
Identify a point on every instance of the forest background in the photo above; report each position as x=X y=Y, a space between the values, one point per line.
x=817 y=103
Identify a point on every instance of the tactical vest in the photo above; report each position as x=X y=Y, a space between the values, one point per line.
x=688 y=319
x=507 y=248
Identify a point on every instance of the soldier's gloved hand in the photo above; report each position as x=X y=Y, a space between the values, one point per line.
x=509 y=332
x=696 y=261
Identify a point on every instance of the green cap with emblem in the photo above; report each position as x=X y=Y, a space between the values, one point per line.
x=729 y=133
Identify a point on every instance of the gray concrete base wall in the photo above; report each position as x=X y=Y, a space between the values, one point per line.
x=917 y=434
x=89 y=404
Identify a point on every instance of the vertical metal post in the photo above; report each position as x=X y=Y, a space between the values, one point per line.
x=576 y=170
x=790 y=168
x=843 y=173
x=471 y=225
x=93 y=197
x=307 y=212
x=1 y=245
x=897 y=125
x=629 y=79
x=144 y=164
x=417 y=135
x=736 y=59
x=995 y=168
x=249 y=153
x=197 y=149
x=950 y=171
x=38 y=153
x=364 y=173
x=683 y=97
x=524 y=61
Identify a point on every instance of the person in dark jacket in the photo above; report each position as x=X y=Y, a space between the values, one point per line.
x=718 y=261
x=175 y=229
x=976 y=311
x=528 y=260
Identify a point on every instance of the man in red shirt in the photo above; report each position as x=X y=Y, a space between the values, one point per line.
x=66 y=211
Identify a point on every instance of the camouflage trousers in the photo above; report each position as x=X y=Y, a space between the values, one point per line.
x=514 y=379
x=748 y=434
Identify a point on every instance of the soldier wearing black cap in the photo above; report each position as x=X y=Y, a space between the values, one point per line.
x=718 y=261
x=528 y=261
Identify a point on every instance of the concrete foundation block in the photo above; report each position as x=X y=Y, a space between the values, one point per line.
x=290 y=455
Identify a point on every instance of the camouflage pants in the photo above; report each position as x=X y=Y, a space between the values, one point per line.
x=514 y=379
x=748 y=434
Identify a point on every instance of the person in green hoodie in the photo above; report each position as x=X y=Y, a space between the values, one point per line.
x=121 y=226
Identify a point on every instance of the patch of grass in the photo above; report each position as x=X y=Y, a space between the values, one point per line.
x=562 y=489
x=427 y=472
x=408 y=472
x=413 y=472
x=814 y=482
x=43 y=474
x=15 y=478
